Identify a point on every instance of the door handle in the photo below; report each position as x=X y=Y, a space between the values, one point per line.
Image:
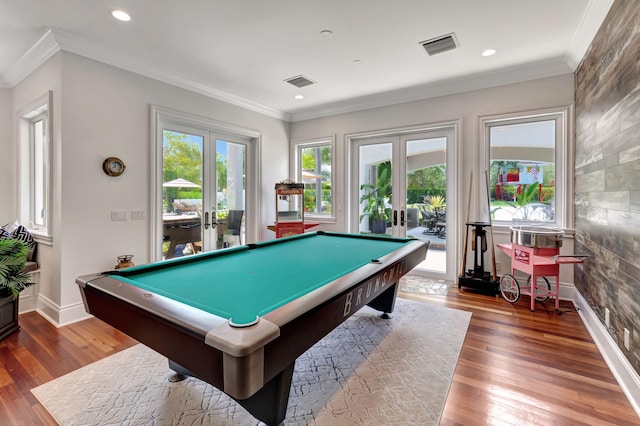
x=401 y=217
x=206 y=220
x=395 y=218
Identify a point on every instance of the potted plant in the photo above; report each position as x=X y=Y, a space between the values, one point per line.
x=13 y=279
x=375 y=198
x=435 y=214
x=374 y=209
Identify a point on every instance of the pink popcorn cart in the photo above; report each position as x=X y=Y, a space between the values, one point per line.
x=535 y=250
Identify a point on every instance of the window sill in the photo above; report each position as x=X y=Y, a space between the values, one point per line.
x=41 y=237
x=320 y=219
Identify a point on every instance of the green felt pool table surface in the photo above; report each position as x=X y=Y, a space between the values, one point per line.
x=243 y=283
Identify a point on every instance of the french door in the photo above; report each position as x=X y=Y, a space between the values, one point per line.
x=204 y=176
x=403 y=186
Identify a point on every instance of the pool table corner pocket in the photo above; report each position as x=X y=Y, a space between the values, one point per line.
x=239 y=342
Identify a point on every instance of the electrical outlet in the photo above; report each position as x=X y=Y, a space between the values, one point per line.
x=627 y=338
x=607 y=318
x=137 y=215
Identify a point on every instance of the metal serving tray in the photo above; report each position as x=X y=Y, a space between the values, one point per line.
x=536 y=236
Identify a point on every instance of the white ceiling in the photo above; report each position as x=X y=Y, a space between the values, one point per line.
x=242 y=51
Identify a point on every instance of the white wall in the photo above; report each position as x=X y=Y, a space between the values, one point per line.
x=7 y=160
x=465 y=107
x=46 y=77
x=102 y=111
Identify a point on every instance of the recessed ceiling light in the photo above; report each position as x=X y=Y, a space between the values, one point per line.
x=489 y=52
x=121 y=15
x=299 y=97
x=326 y=33
x=356 y=61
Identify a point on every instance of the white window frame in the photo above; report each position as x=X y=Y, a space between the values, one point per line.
x=296 y=147
x=564 y=156
x=39 y=109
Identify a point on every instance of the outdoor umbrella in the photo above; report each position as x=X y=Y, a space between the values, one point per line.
x=177 y=183
x=180 y=183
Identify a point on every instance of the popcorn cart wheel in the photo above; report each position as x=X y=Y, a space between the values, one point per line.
x=510 y=288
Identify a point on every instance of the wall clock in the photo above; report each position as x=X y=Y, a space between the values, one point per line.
x=113 y=166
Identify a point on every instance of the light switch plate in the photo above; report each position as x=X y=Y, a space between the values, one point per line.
x=118 y=215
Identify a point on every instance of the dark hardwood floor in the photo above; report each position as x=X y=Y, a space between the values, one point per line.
x=516 y=367
x=519 y=367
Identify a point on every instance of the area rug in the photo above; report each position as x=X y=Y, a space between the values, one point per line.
x=368 y=371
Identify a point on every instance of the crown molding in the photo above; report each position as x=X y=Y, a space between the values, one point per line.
x=592 y=19
x=517 y=74
x=32 y=59
x=55 y=40
x=130 y=63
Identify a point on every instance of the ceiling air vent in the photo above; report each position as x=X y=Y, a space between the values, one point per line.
x=300 y=81
x=440 y=44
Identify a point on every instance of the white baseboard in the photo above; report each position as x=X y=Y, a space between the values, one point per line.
x=29 y=296
x=28 y=299
x=61 y=315
x=566 y=291
x=627 y=377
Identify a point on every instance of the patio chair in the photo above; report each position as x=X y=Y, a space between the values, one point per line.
x=234 y=224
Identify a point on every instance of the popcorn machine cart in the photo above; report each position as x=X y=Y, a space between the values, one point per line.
x=535 y=250
x=289 y=210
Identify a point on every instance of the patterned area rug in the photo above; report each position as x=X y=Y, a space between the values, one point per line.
x=367 y=371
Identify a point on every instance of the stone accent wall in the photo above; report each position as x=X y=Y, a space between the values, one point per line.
x=607 y=101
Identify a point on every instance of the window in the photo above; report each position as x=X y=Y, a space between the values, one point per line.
x=35 y=166
x=527 y=158
x=313 y=167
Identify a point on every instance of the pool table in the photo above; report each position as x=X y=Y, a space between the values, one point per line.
x=238 y=318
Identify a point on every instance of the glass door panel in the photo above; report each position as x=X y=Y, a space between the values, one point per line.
x=231 y=171
x=182 y=193
x=204 y=190
x=426 y=194
x=375 y=187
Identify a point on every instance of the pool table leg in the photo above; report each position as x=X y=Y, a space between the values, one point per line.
x=269 y=404
x=179 y=372
x=386 y=301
